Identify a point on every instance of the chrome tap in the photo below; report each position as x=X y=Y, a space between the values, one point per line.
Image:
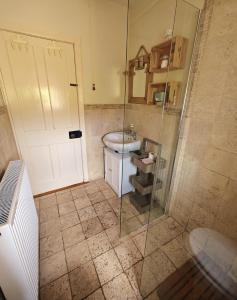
x=131 y=132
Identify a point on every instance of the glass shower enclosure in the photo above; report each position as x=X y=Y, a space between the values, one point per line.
x=161 y=38
x=156 y=123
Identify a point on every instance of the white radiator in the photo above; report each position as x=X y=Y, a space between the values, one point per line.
x=18 y=235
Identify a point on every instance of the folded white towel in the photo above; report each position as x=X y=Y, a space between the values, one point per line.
x=147 y=161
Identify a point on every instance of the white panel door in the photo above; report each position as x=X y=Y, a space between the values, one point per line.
x=44 y=107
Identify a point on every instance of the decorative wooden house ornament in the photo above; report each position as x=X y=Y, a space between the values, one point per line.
x=141 y=58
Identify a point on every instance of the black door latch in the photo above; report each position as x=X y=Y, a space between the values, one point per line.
x=76 y=134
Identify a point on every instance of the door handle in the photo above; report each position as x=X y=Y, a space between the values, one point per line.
x=76 y=134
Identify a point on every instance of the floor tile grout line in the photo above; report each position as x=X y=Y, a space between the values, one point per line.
x=77 y=267
x=106 y=250
x=104 y=253
x=118 y=261
x=100 y=288
x=104 y=230
x=67 y=268
x=130 y=283
x=69 y=271
x=124 y=271
x=115 y=278
x=98 y=278
x=113 y=247
x=73 y=199
x=81 y=207
x=40 y=259
x=54 y=280
x=59 y=216
x=159 y=246
x=60 y=275
x=62 y=194
x=89 y=237
x=61 y=230
x=64 y=249
x=111 y=206
x=92 y=260
x=121 y=263
x=73 y=245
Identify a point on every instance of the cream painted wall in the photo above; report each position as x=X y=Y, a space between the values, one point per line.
x=1 y=99
x=8 y=149
x=147 y=25
x=100 y=26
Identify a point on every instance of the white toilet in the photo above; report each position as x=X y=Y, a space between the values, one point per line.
x=216 y=256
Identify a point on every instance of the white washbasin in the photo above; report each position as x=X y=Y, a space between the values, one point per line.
x=121 y=142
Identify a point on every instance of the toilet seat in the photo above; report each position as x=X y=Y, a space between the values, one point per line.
x=216 y=256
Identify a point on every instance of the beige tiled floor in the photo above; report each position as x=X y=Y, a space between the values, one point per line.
x=83 y=257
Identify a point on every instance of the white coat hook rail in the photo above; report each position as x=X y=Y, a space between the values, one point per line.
x=19 y=43
x=54 y=49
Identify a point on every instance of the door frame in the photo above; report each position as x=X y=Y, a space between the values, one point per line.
x=80 y=95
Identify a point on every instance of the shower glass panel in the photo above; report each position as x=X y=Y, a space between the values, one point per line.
x=157 y=265
x=185 y=26
x=147 y=25
x=161 y=230
x=167 y=30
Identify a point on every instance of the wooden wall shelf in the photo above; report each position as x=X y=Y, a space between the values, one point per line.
x=171 y=90
x=175 y=49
